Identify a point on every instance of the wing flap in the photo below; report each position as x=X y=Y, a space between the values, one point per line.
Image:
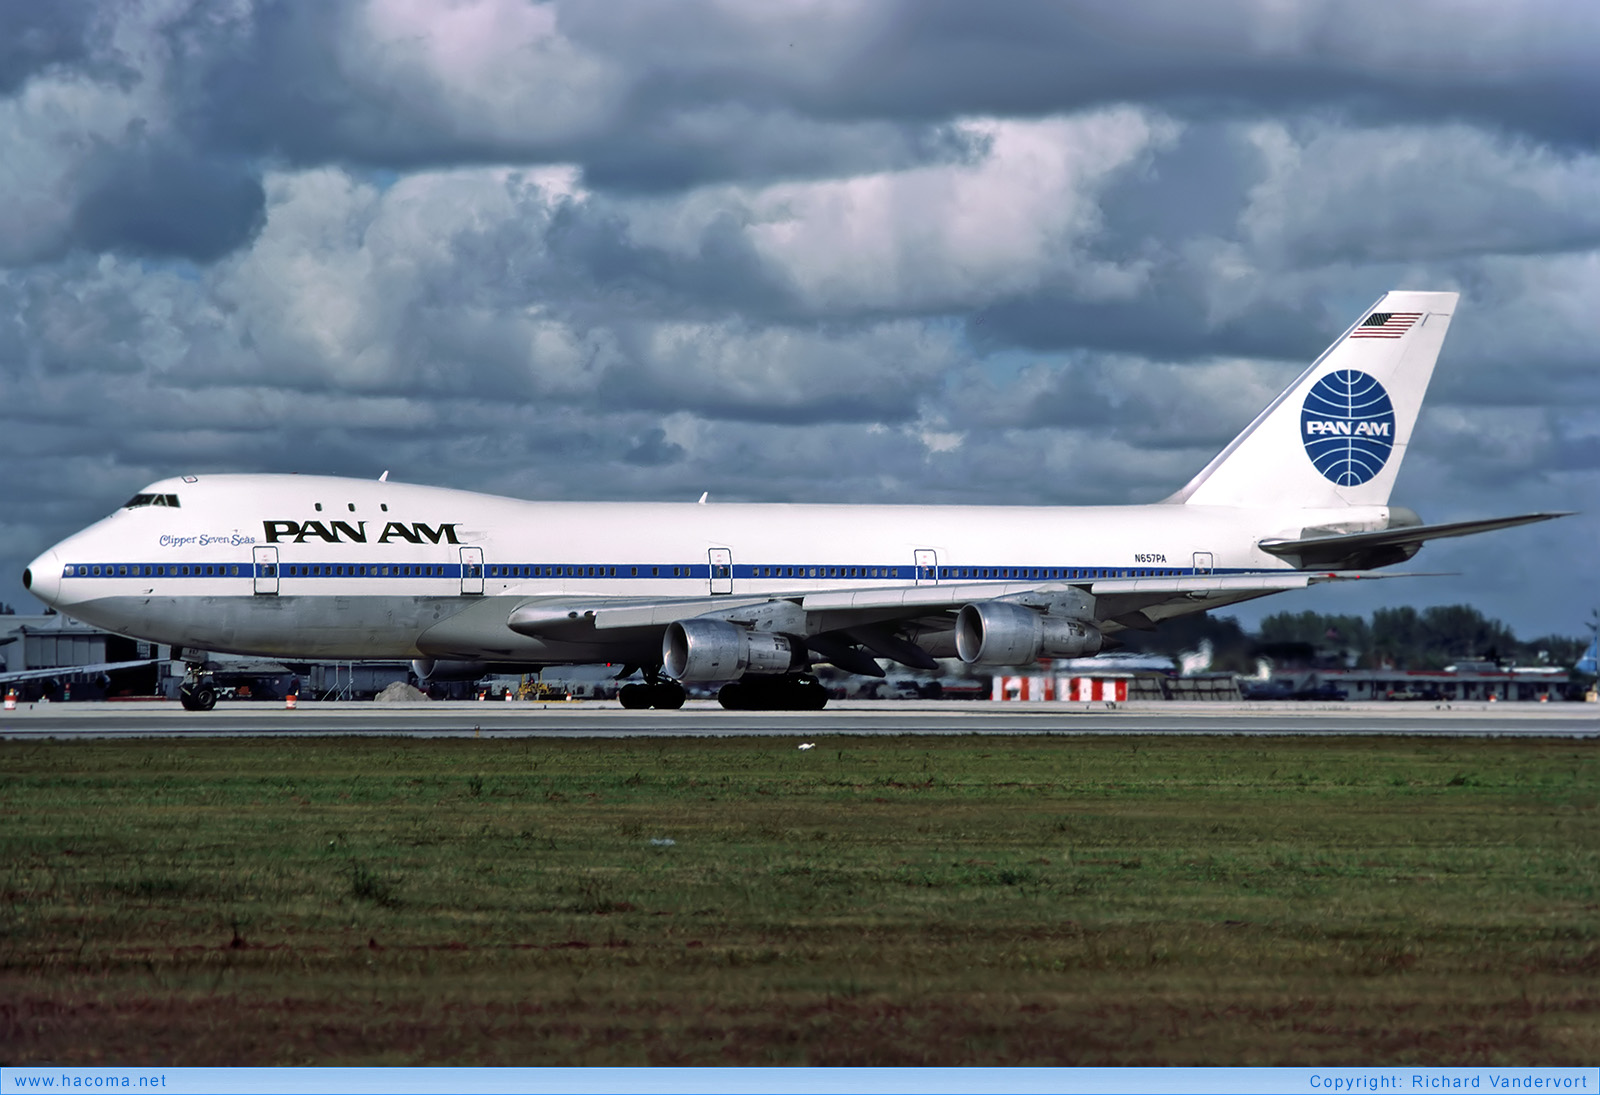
x=661 y=613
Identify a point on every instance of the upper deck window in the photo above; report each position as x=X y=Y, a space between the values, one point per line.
x=152 y=500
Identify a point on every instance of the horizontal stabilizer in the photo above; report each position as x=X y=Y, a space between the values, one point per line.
x=1357 y=548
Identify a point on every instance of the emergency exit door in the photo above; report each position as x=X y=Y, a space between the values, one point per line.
x=927 y=564
x=1202 y=562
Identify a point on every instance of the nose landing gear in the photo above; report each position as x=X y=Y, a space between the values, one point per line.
x=197 y=692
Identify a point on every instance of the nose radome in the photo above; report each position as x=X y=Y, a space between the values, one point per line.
x=43 y=578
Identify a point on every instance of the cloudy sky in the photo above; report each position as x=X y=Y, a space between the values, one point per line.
x=795 y=251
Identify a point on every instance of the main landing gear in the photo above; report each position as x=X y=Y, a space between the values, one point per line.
x=797 y=693
x=197 y=692
x=654 y=692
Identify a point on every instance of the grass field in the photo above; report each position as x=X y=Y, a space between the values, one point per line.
x=940 y=901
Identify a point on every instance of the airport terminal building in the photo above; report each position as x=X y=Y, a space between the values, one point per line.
x=1466 y=682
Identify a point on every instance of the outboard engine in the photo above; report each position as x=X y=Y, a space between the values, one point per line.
x=715 y=650
x=1003 y=633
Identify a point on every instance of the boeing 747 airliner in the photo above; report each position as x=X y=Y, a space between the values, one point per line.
x=754 y=595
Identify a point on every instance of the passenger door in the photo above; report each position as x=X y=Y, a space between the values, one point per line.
x=721 y=571
x=471 y=570
x=266 y=570
x=927 y=562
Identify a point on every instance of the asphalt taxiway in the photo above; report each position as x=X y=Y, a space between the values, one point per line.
x=704 y=718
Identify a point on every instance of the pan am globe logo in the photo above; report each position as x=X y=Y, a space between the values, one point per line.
x=1347 y=427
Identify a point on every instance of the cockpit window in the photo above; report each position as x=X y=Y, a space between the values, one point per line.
x=152 y=500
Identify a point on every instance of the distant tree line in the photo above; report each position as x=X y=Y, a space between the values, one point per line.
x=1402 y=638
x=1408 y=639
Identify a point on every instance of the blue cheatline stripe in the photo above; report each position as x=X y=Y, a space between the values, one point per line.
x=629 y=571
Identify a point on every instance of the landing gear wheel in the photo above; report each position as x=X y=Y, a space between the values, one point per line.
x=196 y=692
x=199 y=697
x=774 y=694
x=809 y=694
x=666 y=696
x=662 y=695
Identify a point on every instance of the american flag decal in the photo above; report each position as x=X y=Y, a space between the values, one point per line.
x=1386 y=325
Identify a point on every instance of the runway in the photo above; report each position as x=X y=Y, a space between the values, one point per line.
x=706 y=719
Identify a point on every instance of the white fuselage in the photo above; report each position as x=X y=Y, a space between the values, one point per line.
x=321 y=567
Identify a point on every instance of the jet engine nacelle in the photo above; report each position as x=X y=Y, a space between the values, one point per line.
x=427 y=669
x=1001 y=633
x=715 y=650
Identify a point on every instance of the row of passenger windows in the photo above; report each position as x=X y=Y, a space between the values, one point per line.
x=824 y=572
x=539 y=571
x=335 y=570
x=357 y=570
x=576 y=572
x=158 y=570
x=246 y=570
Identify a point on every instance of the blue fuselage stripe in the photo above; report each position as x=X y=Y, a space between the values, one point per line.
x=630 y=571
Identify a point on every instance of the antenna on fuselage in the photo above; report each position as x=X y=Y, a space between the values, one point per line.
x=703 y=498
x=384 y=478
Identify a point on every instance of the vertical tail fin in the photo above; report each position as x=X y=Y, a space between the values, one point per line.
x=1337 y=435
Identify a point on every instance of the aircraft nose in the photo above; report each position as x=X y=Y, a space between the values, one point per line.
x=43 y=578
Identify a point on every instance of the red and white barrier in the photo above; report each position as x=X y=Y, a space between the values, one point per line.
x=1090 y=689
x=1024 y=688
x=1073 y=689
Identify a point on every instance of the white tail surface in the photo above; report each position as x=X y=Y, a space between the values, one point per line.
x=1337 y=435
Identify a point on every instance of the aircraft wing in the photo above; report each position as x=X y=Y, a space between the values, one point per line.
x=898 y=622
x=1387 y=545
x=1120 y=603
x=847 y=607
x=72 y=670
x=957 y=594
